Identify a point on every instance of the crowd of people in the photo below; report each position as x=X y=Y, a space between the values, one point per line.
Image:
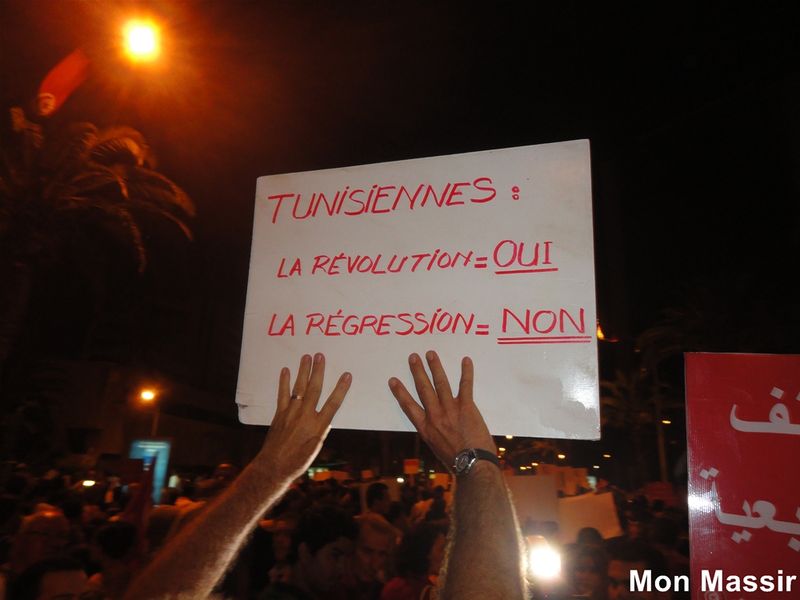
x=271 y=533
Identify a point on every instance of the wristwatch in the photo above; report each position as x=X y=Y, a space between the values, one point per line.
x=466 y=459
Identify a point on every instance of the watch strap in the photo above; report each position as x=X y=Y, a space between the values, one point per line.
x=481 y=454
x=474 y=455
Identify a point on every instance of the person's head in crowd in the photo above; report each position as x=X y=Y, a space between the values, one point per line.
x=72 y=507
x=421 y=552
x=117 y=541
x=226 y=472
x=397 y=516
x=625 y=556
x=636 y=525
x=408 y=493
x=437 y=511
x=589 y=536
x=548 y=529
x=323 y=541
x=664 y=532
x=220 y=479
x=588 y=569
x=282 y=529
x=117 y=550
x=378 y=499
x=374 y=545
x=349 y=500
x=52 y=579
x=41 y=536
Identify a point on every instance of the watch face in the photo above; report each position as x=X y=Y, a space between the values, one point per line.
x=463 y=461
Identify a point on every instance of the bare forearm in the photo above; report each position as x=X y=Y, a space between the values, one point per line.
x=195 y=560
x=484 y=559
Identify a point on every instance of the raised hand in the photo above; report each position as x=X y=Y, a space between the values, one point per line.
x=447 y=423
x=298 y=429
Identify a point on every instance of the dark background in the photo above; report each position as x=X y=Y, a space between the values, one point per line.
x=693 y=113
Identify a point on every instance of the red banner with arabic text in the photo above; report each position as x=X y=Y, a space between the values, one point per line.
x=743 y=424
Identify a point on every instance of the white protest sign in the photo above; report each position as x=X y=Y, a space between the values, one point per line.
x=588 y=510
x=487 y=254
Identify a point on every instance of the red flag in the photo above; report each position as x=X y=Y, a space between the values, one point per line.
x=61 y=81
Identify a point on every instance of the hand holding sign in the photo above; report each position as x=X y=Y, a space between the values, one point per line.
x=447 y=424
x=298 y=429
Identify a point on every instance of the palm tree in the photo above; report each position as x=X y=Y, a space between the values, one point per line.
x=72 y=200
x=57 y=188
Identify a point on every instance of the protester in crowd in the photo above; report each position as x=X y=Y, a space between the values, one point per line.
x=281 y=530
x=587 y=570
x=116 y=547
x=589 y=536
x=421 y=508
x=43 y=535
x=53 y=579
x=193 y=562
x=663 y=534
x=626 y=556
x=367 y=571
x=322 y=545
x=419 y=560
x=398 y=518
x=377 y=499
x=437 y=513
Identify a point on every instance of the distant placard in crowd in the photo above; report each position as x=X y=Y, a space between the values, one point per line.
x=743 y=429
x=588 y=510
x=487 y=254
x=155 y=457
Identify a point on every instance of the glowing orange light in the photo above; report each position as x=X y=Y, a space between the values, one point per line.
x=142 y=42
x=147 y=395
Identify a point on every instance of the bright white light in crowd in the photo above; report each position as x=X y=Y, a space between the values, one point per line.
x=534 y=464
x=522 y=468
x=606 y=456
x=509 y=437
x=88 y=482
x=666 y=421
x=544 y=562
x=501 y=449
x=141 y=40
x=595 y=466
x=562 y=456
x=400 y=480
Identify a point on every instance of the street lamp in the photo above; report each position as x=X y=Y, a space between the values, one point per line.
x=148 y=396
x=141 y=40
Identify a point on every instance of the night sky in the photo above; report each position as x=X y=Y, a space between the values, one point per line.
x=693 y=113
